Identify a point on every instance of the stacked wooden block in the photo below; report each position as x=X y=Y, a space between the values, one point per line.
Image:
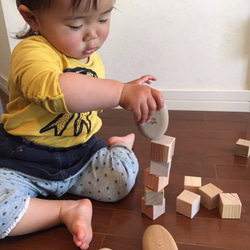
x=210 y=196
x=156 y=177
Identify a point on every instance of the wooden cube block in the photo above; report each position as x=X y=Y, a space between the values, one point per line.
x=188 y=203
x=153 y=198
x=155 y=182
x=153 y=212
x=162 y=149
x=242 y=148
x=229 y=206
x=209 y=196
x=160 y=168
x=192 y=183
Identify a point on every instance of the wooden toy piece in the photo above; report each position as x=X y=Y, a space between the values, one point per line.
x=157 y=237
x=229 y=206
x=155 y=182
x=157 y=126
x=242 y=148
x=192 y=183
x=188 y=203
x=209 y=196
x=153 y=212
x=154 y=198
x=162 y=149
x=160 y=168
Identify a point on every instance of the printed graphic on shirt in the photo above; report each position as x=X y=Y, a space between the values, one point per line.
x=61 y=122
x=84 y=71
x=80 y=120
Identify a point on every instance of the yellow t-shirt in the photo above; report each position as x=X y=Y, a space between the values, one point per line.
x=36 y=108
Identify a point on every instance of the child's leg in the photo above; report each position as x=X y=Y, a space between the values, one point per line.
x=21 y=214
x=42 y=214
x=111 y=173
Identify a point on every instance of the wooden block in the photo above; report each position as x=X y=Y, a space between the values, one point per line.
x=209 y=196
x=154 y=198
x=229 y=206
x=162 y=149
x=192 y=183
x=188 y=203
x=155 y=182
x=242 y=148
x=153 y=212
x=160 y=168
x=157 y=237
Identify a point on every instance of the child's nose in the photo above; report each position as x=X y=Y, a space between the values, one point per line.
x=90 y=34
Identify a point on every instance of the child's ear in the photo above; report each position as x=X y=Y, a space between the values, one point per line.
x=29 y=17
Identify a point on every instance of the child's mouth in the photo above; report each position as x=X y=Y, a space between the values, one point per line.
x=89 y=51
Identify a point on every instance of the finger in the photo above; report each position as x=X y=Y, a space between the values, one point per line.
x=144 y=113
x=152 y=106
x=159 y=99
x=137 y=114
x=147 y=79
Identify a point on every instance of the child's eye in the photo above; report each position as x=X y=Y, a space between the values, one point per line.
x=103 y=20
x=75 y=28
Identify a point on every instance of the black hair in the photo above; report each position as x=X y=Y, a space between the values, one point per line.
x=44 y=5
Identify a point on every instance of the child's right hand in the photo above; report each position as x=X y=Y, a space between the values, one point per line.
x=142 y=100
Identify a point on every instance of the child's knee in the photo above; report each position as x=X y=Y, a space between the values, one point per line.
x=120 y=183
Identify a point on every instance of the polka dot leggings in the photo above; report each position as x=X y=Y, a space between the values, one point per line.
x=108 y=176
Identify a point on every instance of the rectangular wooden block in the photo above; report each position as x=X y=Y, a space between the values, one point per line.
x=155 y=182
x=192 y=183
x=242 y=148
x=160 y=168
x=162 y=149
x=209 y=196
x=153 y=198
x=188 y=203
x=229 y=206
x=153 y=212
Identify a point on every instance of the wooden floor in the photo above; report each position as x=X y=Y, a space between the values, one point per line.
x=204 y=147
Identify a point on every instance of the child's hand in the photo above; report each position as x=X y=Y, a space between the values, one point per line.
x=142 y=100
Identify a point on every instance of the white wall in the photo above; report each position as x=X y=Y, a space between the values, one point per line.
x=4 y=52
x=198 y=49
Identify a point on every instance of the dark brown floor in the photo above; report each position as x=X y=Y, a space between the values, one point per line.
x=204 y=147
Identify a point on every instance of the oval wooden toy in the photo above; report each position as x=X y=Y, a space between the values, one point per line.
x=157 y=126
x=157 y=237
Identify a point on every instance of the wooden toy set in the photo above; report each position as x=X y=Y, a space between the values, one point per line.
x=156 y=178
x=210 y=196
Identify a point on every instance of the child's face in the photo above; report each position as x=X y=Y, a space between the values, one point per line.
x=76 y=33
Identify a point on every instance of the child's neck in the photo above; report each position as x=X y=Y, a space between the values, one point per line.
x=85 y=60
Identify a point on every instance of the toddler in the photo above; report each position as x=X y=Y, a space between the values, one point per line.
x=47 y=139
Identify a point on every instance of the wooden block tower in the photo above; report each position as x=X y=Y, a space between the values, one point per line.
x=156 y=177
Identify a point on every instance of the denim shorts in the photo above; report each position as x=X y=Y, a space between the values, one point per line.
x=42 y=161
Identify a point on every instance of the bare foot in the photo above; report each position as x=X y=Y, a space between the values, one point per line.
x=77 y=216
x=127 y=140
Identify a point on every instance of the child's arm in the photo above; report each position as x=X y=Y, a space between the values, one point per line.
x=83 y=93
